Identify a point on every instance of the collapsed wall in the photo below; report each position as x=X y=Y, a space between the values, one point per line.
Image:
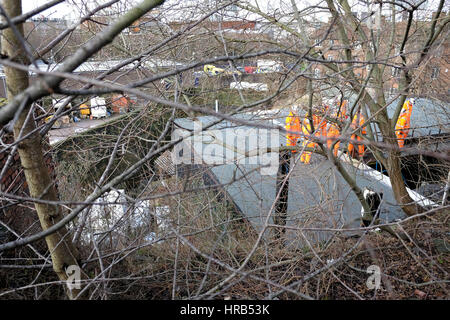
x=320 y=201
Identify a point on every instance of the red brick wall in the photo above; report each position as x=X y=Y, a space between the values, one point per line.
x=21 y=217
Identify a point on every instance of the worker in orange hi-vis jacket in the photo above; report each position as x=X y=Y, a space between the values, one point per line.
x=357 y=123
x=332 y=134
x=320 y=123
x=307 y=131
x=343 y=116
x=404 y=123
x=292 y=124
x=333 y=131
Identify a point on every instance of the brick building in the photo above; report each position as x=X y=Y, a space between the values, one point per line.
x=430 y=79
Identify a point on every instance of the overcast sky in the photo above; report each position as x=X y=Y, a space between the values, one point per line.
x=57 y=11
x=68 y=11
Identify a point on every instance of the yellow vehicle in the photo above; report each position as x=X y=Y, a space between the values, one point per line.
x=56 y=104
x=85 y=111
x=56 y=125
x=212 y=70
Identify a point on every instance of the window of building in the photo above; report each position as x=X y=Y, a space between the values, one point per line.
x=395 y=72
x=316 y=73
x=434 y=73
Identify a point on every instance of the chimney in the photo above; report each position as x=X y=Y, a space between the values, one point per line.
x=405 y=16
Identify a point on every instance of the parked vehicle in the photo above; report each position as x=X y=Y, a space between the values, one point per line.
x=85 y=111
x=56 y=125
x=62 y=120
x=250 y=69
x=98 y=108
x=213 y=70
x=267 y=66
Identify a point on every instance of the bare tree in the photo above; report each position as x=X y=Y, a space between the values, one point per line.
x=39 y=182
x=136 y=223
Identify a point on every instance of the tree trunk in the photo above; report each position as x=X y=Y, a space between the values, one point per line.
x=37 y=175
x=394 y=168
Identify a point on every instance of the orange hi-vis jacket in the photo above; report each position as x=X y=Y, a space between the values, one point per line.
x=320 y=124
x=292 y=124
x=403 y=123
x=343 y=112
x=319 y=128
x=358 y=122
x=333 y=132
x=333 y=129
